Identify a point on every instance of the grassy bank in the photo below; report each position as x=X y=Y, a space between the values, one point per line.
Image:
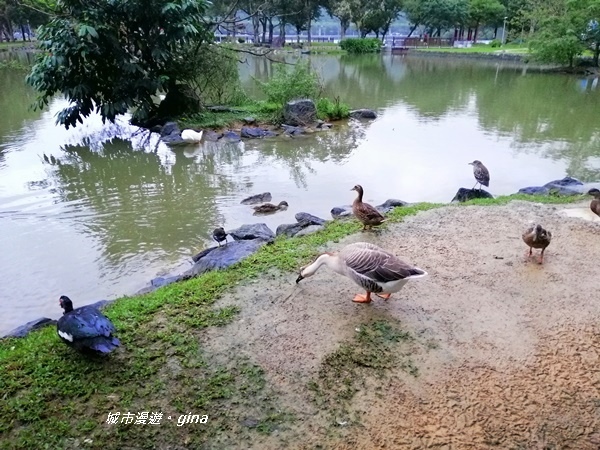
x=53 y=397
x=508 y=48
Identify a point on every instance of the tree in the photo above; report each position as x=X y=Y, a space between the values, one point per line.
x=342 y=11
x=483 y=12
x=436 y=15
x=115 y=56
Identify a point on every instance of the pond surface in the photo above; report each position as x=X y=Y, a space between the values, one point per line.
x=97 y=211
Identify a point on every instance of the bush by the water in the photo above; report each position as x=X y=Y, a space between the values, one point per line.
x=363 y=45
x=332 y=110
x=495 y=43
x=289 y=84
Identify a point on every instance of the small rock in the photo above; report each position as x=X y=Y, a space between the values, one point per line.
x=390 y=204
x=341 y=211
x=309 y=230
x=213 y=136
x=25 y=329
x=249 y=120
x=306 y=217
x=363 y=114
x=292 y=131
x=170 y=128
x=300 y=112
x=101 y=303
x=257 y=198
x=252 y=231
x=291 y=229
x=255 y=133
x=231 y=136
x=464 y=194
x=163 y=281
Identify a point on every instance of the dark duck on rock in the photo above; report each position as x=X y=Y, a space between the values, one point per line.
x=86 y=328
x=219 y=235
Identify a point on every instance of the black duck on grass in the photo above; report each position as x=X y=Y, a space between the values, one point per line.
x=86 y=328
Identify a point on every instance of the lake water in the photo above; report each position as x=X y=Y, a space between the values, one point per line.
x=97 y=211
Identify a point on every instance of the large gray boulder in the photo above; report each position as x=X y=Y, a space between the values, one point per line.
x=363 y=114
x=566 y=186
x=24 y=330
x=291 y=229
x=306 y=217
x=252 y=231
x=224 y=256
x=171 y=134
x=300 y=112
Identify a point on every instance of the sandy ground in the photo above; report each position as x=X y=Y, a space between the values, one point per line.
x=515 y=363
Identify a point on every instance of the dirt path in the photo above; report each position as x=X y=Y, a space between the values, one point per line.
x=507 y=351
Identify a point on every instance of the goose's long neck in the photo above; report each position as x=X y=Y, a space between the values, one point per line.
x=326 y=259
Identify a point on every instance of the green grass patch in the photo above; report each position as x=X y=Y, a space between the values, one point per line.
x=482 y=48
x=51 y=394
x=262 y=112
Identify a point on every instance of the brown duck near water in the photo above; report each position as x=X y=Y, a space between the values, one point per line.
x=537 y=237
x=267 y=208
x=595 y=204
x=364 y=212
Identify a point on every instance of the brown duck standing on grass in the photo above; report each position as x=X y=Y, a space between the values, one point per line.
x=537 y=237
x=595 y=204
x=482 y=175
x=267 y=208
x=365 y=213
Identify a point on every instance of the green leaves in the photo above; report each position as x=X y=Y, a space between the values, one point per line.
x=85 y=30
x=110 y=56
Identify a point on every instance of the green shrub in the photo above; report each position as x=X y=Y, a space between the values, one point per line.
x=495 y=43
x=219 y=82
x=286 y=84
x=241 y=40
x=363 y=45
x=332 y=110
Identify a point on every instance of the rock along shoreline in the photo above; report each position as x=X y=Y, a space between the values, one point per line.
x=249 y=238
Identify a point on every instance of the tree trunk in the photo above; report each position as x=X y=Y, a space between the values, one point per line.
x=263 y=22
x=297 y=35
x=271 y=27
x=596 y=53
x=343 y=27
x=412 y=30
x=308 y=31
x=282 y=32
x=255 y=29
x=475 y=34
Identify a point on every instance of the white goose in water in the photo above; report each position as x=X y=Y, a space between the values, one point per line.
x=369 y=266
x=191 y=135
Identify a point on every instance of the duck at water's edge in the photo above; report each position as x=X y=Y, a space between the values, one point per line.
x=219 y=235
x=372 y=268
x=365 y=213
x=86 y=328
